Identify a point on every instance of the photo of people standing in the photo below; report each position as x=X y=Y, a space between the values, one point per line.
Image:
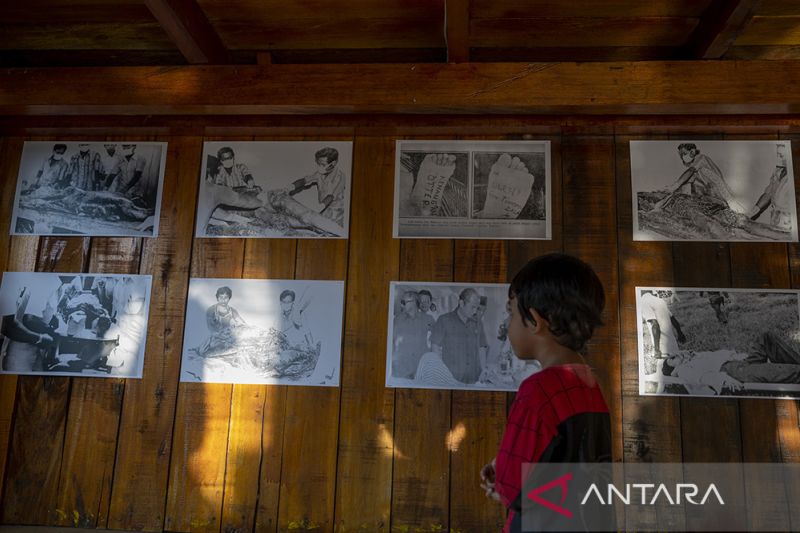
x=89 y=188
x=451 y=336
x=73 y=324
x=275 y=189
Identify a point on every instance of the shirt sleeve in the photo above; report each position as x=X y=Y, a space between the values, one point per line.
x=521 y=444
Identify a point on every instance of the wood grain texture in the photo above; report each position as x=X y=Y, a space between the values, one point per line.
x=658 y=87
x=148 y=412
x=34 y=463
x=202 y=417
x=582 y=32
x=366 y=446
x=698 y=264
x=189 y=28
x=766 y=31
x=477 y=418
x=11 y=259
x=311 y=431
x=651 y=426
x=253 y=469
x=590 y=233
x=422 y=429
x=257 y=484
x=587 y=8
x=457 y=30
x=95 y=407
x=22 y=253
x=719 y=27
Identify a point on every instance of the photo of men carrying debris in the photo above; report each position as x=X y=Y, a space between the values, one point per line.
x=89 y=188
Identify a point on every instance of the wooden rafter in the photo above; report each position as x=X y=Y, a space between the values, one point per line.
x=652 y=87
x=457 y=30
x=719 y=27
x=188 y=27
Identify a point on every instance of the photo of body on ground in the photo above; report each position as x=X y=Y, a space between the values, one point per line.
x=263 y=331
x=58 y=324
x=713 y=191
x=89 y=188
x=451 y=336
x=718 y=342
x=293 y=189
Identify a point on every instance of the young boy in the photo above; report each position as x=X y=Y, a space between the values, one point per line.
x=559 y=414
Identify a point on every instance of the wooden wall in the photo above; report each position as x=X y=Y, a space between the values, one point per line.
x=152 y=453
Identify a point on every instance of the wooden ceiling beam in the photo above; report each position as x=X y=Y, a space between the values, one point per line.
x=189 y=28
x=653 y=87
x=719 y=27
x=456 y=23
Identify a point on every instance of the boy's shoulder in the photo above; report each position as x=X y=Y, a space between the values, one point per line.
x=575 y=385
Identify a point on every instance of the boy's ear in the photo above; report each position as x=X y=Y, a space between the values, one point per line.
x=538 y=322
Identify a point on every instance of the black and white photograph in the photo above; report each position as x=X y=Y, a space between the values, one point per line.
x=718 y=342
x=103 y=188
x=713 y=191
x=451 y=336
x=257 y=331
x=472 y=189
x=88 y=325
x=275 y=189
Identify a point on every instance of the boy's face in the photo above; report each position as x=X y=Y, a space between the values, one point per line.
x=325 y=166
x=519 y=334
x=424 y=302
x=687 y=156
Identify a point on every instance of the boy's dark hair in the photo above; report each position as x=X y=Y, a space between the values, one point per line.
x=225 y=290
x=60 y=148
x=285 y=294
x=566 y=292
x=330 y=154
x=687 y=147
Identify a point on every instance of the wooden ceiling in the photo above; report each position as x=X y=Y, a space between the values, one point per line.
x=176 y=32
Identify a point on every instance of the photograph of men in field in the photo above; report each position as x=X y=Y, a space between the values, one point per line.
x=718 y=342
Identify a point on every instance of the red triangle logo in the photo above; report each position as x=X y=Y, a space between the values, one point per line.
x=558 y=482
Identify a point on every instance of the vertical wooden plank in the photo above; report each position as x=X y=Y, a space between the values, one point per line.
x=710 y=430
x=93 y=418
x=421 y=473
x=35 y=462
x=651 y=430
x=311 y=424
x=94 y=411
x=257 y=412
x=789 y=412
x=311 y=431
x=477 y=418
x=139 y=487
x=590 y=233
x=202 y=418
x=18 y=254
x=519 y=252
x=248 y=498
x=22 y=258
x=364 y=469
